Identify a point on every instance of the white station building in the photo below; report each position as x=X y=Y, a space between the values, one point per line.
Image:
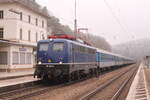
x=22 y=24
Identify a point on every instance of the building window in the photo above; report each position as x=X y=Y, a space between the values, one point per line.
x=36 y=36
x=29 y=35
x=36 y=22
x=42 y=24
x=28 y=58
x=43 y=37
x=1 y=14
x=21 y=16
x=21 y=34
x=15 y=58
x=1 y=33
x=29 y=19
x=22 y=58
x=3 y=58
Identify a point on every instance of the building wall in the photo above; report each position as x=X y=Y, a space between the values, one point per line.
x=5 y=49
x=11 y=50
x=12 y=24
x=18 y=55
x=24 y=50
x=9 y=23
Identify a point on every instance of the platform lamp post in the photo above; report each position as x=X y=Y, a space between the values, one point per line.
x=148 y=61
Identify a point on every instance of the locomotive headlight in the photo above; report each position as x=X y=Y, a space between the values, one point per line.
x=49 y=60
x=60 y=62
x=39 y=62
x=50 y=40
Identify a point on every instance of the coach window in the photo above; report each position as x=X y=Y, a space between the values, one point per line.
x=103 y=56
x=58 y=46
x=74 y=47
x=82 y=49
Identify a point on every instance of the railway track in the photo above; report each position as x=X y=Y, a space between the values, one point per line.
x=90 y=95
x=120 y=91
x=28 y=92
x=72 y=92
x=33 y=91
x=14 y=94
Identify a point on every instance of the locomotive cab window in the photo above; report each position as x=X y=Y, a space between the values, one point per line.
x=58 y=46
x=43 y=47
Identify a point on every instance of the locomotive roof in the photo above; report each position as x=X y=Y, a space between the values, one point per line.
x=74 y=42
x=78 y=43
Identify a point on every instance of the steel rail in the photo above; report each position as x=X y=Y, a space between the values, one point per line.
x=41 y=91
x=28 y=95
x=5 y=94
x=32 y=94
x=117 y=94
x=101 y=87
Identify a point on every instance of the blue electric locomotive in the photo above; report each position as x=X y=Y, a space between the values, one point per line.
x=67 y=59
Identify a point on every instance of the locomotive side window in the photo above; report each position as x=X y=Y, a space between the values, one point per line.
x=43 y=47
x=58 y=46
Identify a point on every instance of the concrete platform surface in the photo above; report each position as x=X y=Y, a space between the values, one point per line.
x=138 y=89
x=147 y=74
x=11 y=75
x=10 y=82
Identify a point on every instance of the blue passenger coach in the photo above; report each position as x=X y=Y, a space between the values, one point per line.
x=106 y=60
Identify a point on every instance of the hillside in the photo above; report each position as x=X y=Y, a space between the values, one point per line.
x=136 y=49
x=58 y=28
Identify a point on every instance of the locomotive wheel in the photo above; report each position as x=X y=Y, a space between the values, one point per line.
x=45 y=78
x=78 y=75
x=66 y=78
x=73 y=76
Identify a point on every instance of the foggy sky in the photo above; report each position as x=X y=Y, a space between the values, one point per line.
x=134 y=16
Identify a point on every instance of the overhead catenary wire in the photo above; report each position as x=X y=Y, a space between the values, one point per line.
x=115 y=17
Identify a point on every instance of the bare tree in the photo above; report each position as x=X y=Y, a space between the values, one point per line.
x=58 y=28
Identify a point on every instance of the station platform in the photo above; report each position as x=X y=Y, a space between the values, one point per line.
x=16 y=81
x=18 y=74
x=139 y=87
x=11 y=80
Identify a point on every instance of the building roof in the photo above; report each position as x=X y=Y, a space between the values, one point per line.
x=30 y=4
x=17 y=43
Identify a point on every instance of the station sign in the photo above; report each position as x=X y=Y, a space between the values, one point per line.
x=22 y=49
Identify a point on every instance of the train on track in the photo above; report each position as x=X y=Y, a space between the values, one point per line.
x=60 y=57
